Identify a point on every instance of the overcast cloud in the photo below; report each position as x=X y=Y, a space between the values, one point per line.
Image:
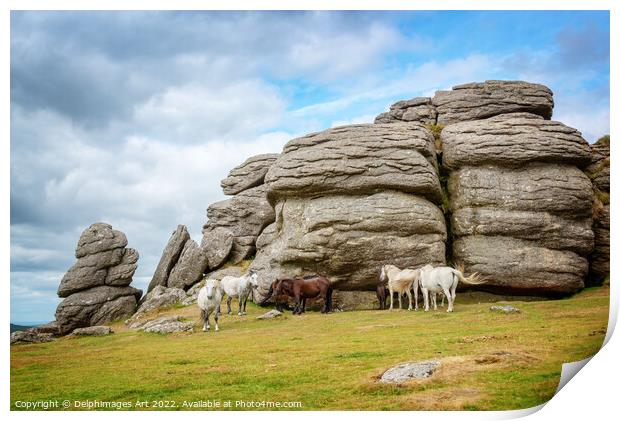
x=133 y=118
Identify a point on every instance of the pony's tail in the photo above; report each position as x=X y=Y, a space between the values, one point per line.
x=473 y=279
x=329 y=302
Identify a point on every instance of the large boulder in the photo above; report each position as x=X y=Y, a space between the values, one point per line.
x=249 y=174
x=192 y=264
x=217 y=244
x=169 y=257
x=350 y=199
x=512 y=140
x=102 y=259
x=474 y=101
x=99 y=237
x=96 y=288
x=598 y=171
x=95 y=306
x=30 y=336
x=521 y=207
x=599 y=167
x=358 y=159
x=417 y=109
x=245 y=215
x=159 y=298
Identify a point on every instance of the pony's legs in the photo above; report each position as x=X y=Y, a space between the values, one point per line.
x=425 y=295
x=415 y=293
x=434 y=300
x=400 y=304
x=245 y=303
x=451 y=294
x=240 y=312
x=391 y=298
x=203 y=318
x=303 y=305
x=228 y=301
x=408 y=294
x=443 y=297
x=217 y=328
x=206 y=325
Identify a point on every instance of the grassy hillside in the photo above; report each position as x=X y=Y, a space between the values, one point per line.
x=489 y=360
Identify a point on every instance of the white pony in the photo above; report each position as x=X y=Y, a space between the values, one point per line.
x=209 y=299
x=240 y=288
x=401 y=281
x=443 y=279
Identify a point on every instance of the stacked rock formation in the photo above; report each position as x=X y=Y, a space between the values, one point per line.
x=350 y=199
x=521 y=206
x=247 y=213
x=96 y=288
x=473 y=101
x=598 y=171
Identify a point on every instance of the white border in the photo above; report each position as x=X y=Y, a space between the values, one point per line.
x=590 y=394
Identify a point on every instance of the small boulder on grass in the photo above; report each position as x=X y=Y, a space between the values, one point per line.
x=29 y=336
x=165 y=324
x=507 y=309
x=270 y=315
x=409 y=371
x=92 y=331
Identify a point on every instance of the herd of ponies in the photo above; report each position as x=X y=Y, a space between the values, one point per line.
x=431 y=280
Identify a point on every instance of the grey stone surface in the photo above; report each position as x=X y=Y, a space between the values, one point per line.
x=245 y=215
x=89 y=271
x=160 y=297
x=599 y=259
x=553 y=188
x=95 y=306
x=250 y=173
x=506 y=309
x=166 y=324
x=217 y=244
x=358 y=159
x=122 y=274
x=419 y=109
x=512 y=140
x=93 y=331
x=474 y=101
x=29 y=336
x=545 y=229
x=99 y=237
x=348 y=238
x=169 y=257
x=409 y=371
x=271 y=314
x=192 y=264
x=511 y=265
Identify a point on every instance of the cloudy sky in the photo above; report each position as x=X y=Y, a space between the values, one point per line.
x=134 y=118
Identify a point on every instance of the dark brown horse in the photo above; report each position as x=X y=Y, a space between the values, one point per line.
x=382 y=294
x=301 y=289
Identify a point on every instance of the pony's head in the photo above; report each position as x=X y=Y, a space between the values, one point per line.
x=253 y=279
x=212 y=286
x=382 y=276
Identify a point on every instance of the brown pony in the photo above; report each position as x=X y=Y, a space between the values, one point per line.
x=301 y=289
x=382 y=295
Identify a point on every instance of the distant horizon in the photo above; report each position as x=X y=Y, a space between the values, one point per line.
x=133 y=118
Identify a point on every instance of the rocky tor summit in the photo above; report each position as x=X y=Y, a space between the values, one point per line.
x=479 y=175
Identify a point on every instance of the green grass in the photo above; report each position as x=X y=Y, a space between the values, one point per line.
x=490 y=361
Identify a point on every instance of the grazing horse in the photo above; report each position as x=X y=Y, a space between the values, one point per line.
x=209 y=299
x=443 y=279
x=382 y=293
x=239 y=288
x=301 y=289
x=401 y=281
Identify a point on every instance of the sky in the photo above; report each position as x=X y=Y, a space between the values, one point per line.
x=133 y=118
